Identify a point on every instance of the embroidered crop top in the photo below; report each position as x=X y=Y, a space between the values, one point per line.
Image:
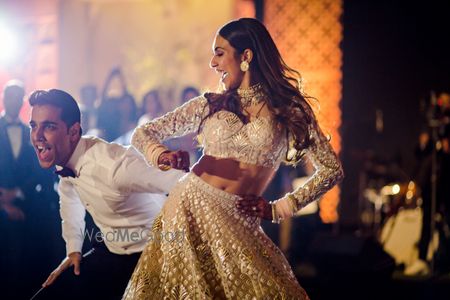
x=261 y=142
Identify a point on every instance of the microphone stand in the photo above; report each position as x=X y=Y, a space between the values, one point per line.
x=42 y=288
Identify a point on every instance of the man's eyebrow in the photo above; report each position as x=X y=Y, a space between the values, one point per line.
x=44 y=122
x=49 y=123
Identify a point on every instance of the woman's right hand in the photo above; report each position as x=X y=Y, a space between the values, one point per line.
x=174 y=159
x=255 y=206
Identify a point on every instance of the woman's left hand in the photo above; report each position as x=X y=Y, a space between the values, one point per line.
x=255 y=206
x=175 y=159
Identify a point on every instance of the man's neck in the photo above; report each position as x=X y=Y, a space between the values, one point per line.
x=65 y=164
x=11 y=119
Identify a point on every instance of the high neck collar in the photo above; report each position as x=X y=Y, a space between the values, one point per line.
x=252 y=95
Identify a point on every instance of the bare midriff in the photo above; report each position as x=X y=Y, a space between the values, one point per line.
x=233 y=176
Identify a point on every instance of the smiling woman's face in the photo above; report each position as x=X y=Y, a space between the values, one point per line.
x=226 y=62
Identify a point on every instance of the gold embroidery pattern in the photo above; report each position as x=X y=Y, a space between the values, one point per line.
x=260 y=142
x=223 y=254
x=181 y=121
x=253 y=95
x=328 y=169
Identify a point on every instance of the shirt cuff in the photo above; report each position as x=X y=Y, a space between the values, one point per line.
x=74 y=246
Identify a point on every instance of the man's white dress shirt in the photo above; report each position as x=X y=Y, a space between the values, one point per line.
x=118 y=188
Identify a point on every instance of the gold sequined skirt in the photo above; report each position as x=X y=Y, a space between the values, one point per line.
x=202 y=247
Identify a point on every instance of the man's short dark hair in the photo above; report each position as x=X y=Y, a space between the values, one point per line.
x=70 y=112
x=14 y=88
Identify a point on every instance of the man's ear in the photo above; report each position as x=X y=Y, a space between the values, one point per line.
x=74 y=131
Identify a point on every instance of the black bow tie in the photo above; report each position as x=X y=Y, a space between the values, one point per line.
x=65 y=172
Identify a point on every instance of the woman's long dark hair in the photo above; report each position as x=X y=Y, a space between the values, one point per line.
x=282 y=83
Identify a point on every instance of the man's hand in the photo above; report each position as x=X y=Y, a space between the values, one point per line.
x=7 y=196
x=13 y=212
x=73 y=259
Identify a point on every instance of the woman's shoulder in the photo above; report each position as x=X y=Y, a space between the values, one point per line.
x=197 y=99
x=212 y=97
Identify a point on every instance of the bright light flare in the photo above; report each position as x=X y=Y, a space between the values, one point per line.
x=395 y=189
x=8 y=44
x=389 y=190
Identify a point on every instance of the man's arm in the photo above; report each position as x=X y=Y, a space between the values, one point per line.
x=72 y=214
x=131 y=173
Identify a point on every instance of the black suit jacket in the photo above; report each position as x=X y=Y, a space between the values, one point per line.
x=34 y=243
x=16 y=172
x=24 y=171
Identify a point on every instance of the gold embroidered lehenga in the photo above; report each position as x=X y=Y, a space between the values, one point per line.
x=201 y=246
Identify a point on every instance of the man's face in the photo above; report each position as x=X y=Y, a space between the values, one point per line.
x=13 y=103
x=52 y=140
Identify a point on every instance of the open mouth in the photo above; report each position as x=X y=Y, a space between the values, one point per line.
x=43 y=152
x=224 y=74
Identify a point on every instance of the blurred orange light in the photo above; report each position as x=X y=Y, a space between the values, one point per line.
x=308 y=34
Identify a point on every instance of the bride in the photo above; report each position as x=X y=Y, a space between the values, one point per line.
x=246 y=132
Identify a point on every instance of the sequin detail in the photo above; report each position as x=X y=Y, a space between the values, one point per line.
x=260 y=142
x=328 y=169
x=253 y=95
x=181 y=121
x=223 y=254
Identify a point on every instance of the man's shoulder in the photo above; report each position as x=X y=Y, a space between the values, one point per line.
x=94 y=141
x=96 y=145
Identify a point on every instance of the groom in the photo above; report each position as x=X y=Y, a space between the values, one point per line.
x=111 y=182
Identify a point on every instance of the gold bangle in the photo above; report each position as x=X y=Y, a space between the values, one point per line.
x=155 y=152
x=275 y=218
x=164 y=167
x=293 y=203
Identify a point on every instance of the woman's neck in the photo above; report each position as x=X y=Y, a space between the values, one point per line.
x=249 y=80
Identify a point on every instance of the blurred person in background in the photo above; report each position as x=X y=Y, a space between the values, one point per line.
x=28 y=202
x=128 y=117
x=189 y=93
x=117 y=109
x=88 y=107
x=151 y=106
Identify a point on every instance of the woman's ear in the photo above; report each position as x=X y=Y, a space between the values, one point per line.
x=247 y=55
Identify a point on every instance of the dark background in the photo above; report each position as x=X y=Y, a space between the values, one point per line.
x=394 y=54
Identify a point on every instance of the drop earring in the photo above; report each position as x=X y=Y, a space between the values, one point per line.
x=244 y=66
